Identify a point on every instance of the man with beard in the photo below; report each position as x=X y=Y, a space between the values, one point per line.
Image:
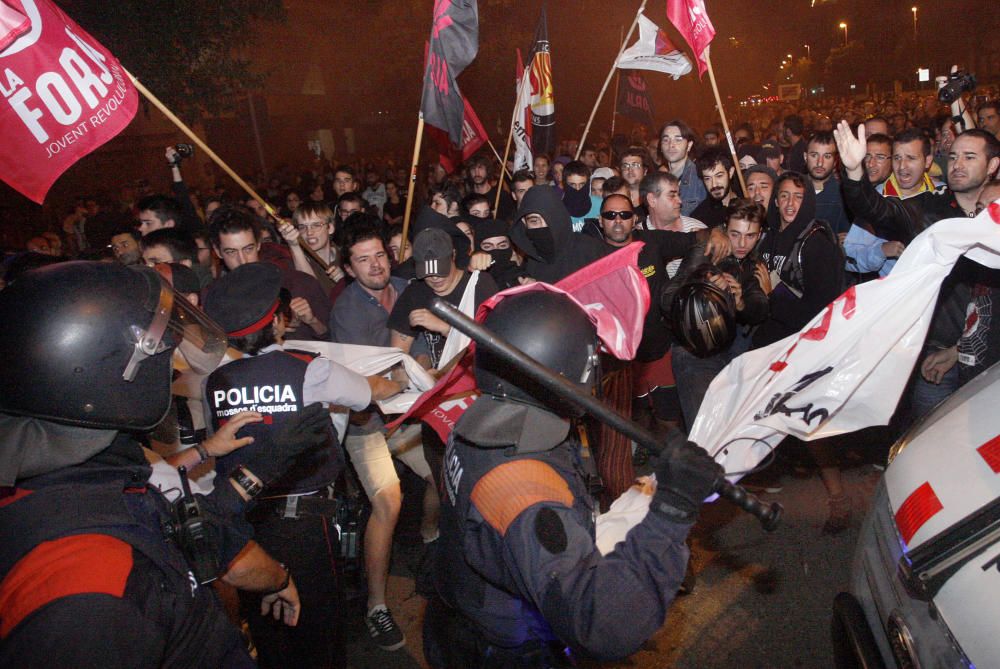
x=717 y=172
x=360 y=317
x=676 y=142
x=821 y=162
x=125 y=245
x=479 y=182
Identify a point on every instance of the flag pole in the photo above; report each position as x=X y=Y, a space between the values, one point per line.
x=510 y=136
x=614 y=66
x=413 y=183
x=618 y=80
x=218 y=161
x=725 y=124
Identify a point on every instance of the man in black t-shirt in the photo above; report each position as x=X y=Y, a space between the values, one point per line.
x=437 y=275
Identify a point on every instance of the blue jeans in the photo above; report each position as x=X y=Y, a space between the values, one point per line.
x=693 y=375
x=925 y=395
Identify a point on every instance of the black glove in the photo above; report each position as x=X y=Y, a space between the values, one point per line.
x=685 y=476
x=308 y=431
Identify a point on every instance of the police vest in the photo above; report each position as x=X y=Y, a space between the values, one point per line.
x=78 y=526
x=272 y=385
x=476 y=582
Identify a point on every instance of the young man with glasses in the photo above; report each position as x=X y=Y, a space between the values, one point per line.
x=314 y=224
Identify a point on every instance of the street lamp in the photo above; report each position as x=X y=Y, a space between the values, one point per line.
x=808 y=51
x=843 y=26
x=914 y=10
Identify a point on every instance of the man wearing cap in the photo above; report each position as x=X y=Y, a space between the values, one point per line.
x=437 y=276
x=770 y=154
x=296 y=523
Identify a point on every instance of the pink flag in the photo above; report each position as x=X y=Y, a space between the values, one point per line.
x=611 y=290
x=691 y=19
x=66 y=96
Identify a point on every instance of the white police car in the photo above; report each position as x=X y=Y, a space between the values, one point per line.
x=925 y=582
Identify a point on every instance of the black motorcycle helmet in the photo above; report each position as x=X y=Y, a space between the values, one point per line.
x=553 y=330
x=90 y=344
x=703 y=316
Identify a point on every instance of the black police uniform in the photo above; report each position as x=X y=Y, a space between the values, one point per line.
x=522 y=580
x=298 y=531
x=90 y=577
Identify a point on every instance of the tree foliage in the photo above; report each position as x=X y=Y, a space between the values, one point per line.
x=190 y=53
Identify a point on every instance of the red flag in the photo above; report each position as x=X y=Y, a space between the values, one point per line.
x=611 y=290
x=691 y=19
x=473 y=137
x=66 y=96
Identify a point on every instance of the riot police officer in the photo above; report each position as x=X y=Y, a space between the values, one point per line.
x=97 y=567
x=521 y=580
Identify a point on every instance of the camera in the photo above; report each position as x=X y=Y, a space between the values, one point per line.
x=183 y=151
x=957 y=83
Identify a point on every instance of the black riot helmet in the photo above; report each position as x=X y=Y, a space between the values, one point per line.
x=703 y=315
x=553 y=330
x=90 y=344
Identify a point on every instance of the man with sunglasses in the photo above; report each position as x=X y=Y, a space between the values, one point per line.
x=652 y=378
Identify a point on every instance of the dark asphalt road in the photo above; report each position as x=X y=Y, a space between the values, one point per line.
x=762 y=600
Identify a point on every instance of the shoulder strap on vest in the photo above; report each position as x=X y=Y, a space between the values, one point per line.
x=508 y=490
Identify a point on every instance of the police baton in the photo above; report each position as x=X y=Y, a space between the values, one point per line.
x=768 y=515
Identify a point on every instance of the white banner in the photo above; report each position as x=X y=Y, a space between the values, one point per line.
x=847 y=368
x=653 y=51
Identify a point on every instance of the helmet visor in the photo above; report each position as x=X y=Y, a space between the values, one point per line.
x=177 y=323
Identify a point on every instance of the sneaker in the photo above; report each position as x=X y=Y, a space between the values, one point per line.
x=384 y=630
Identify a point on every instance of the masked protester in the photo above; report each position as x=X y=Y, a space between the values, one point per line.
x=544 y=232
x=493 y=238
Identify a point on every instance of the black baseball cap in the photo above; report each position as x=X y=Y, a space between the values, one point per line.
x=432 y=251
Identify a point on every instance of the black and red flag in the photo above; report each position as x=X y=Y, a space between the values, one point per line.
x=453 y=45
x=543 y=101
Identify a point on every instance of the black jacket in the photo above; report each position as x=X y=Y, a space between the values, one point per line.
x=822 y=266
x=572 y=250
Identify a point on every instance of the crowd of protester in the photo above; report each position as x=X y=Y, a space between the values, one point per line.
x=835 y=189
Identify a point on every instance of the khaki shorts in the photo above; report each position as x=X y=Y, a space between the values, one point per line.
x=372 y=457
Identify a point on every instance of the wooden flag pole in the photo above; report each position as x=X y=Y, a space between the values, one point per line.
x=614 y=66
x=506 y=150
x=725 y=124
x=413 y=184
x=618 y=80
x=217 y=160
